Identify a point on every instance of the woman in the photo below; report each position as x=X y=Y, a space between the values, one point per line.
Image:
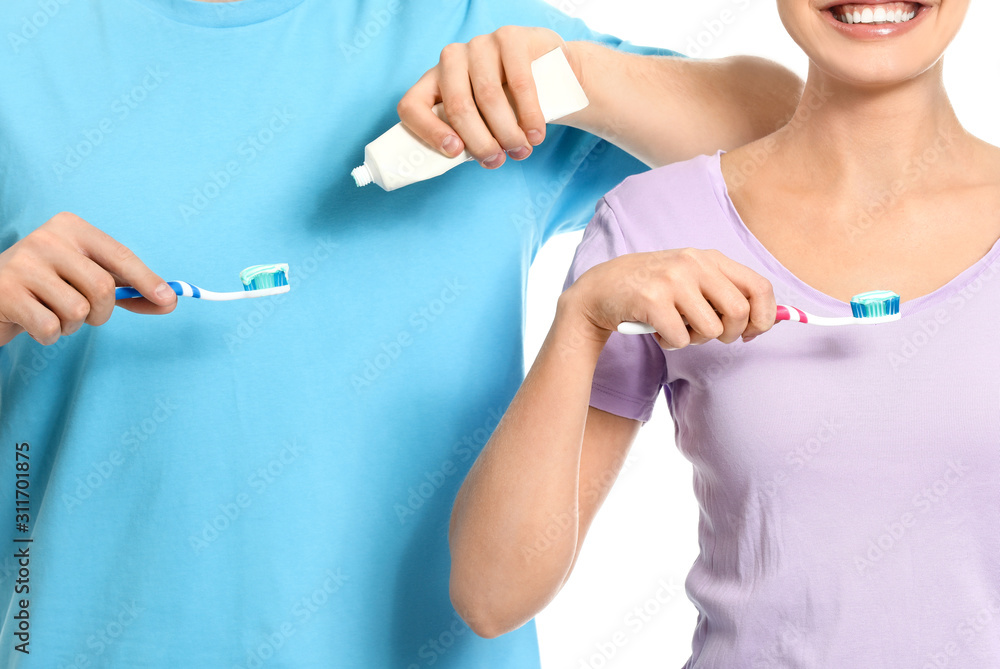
x=847 y=477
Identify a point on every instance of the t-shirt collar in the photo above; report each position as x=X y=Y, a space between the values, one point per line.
x=221 y=14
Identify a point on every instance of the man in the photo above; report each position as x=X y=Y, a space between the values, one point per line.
x=264 y=482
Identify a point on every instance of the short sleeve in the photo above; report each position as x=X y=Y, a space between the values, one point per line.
x=568 y=173
x=571 y=169
x=632 y=368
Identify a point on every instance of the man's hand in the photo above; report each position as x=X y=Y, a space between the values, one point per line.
x=469 y=80
x=64 y=274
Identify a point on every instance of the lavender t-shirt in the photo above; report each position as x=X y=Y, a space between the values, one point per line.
x=848 y=478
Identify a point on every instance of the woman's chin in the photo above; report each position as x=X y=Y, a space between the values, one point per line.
x=881 y=74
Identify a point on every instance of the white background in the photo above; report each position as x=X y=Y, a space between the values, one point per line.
x=646 y=533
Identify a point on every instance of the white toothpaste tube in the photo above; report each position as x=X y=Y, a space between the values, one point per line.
x=399 y=158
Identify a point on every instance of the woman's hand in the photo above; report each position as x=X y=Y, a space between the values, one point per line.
x=690 y=296
x=468 y=80
x=64 y=274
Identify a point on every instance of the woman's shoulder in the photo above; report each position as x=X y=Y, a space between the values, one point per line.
x=970 y=181
x=673 y=206
x=988 y=163
x=692 y=183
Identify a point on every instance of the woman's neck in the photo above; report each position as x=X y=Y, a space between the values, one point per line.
x=857 y=140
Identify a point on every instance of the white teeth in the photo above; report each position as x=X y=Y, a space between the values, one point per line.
x=878 y=15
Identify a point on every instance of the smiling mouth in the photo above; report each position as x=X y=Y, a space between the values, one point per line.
x=887 y=12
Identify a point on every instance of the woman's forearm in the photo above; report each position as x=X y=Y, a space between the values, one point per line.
x=666 y=109
x=524 y=487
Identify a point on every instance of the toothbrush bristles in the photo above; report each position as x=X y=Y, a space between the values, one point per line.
x=875 y=304
x=260 y=277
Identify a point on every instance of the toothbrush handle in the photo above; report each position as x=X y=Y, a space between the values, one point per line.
x=126 y=292
x=635 y=328
x=185 y=289
x=784 y=314
x=791 y=314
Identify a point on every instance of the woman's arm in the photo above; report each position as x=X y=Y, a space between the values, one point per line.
x=522 y=512
x=521 y=515
x=660 y=109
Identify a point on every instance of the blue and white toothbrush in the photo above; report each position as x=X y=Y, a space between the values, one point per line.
x=876 y=306
x=258 y=281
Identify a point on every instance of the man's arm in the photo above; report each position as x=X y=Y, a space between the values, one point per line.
x=665 y=109
x=660 y=109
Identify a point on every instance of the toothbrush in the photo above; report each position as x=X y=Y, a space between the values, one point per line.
x=876 y=306
x=258 y=281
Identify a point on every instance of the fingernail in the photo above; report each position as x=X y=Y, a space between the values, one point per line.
x=520 y=153
x=747 y=340
x=671 y=349
x=494 y=161
x=163 y=291
x=534 y=137
x=451 y=144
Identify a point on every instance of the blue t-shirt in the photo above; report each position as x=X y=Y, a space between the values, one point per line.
x=263 y=483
